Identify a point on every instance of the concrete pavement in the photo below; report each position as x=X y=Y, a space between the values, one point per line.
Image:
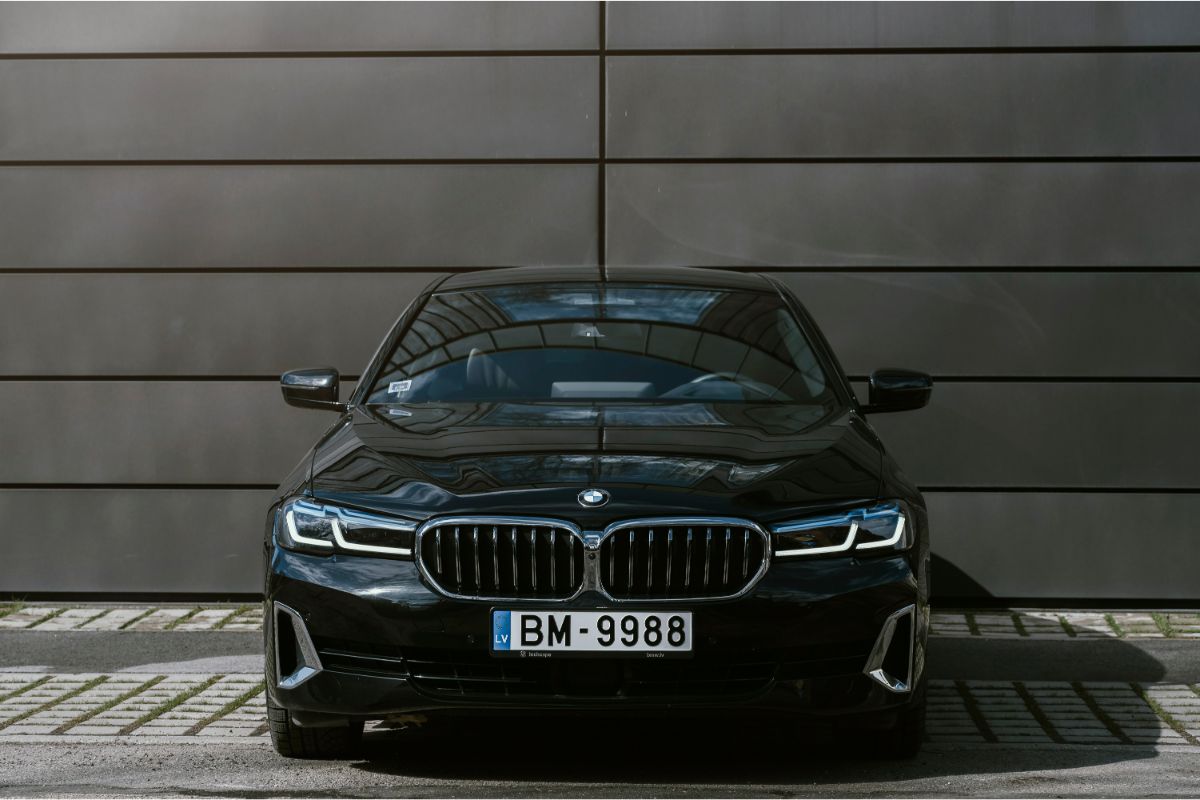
x=654 y=761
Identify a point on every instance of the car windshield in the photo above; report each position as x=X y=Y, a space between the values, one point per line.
x=601 y=342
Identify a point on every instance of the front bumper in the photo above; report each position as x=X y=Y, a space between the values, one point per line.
x=385 y=644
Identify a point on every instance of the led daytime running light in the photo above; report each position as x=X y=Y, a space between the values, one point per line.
x=855 y=519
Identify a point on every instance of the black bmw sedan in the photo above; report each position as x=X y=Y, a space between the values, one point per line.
x=585 y=490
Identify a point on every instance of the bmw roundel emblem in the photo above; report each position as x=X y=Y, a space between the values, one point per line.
x=593 y=498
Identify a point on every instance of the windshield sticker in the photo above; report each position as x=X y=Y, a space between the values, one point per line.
x=399 y=387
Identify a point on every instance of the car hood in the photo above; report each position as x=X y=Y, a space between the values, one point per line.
x=756 y=461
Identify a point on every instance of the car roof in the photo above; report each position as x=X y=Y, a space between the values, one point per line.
x=679 y=276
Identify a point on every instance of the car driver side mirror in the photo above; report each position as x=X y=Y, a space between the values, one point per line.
x=312 y=388
x=897 y=390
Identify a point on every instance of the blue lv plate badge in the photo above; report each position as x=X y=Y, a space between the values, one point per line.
x=501 y=630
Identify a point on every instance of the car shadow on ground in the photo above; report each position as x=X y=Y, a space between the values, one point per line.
x=721 y=750
x=666 y=750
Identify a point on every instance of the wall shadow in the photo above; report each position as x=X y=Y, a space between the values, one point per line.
x=948 y=583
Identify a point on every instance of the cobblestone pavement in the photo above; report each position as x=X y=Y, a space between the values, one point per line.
x=197 y=707
x=51 y=617
x=988 y=624
x=1067 y=624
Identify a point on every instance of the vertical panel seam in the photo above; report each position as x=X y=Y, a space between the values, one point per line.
x=602 y=153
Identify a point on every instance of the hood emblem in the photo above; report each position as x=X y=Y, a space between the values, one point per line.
x=593 y=498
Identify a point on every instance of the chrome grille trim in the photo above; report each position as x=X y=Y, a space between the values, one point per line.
x=710 y=581
x=535 y=542
x=523 y=583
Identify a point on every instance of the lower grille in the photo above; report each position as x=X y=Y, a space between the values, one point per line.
x=690 y=558
x=502 y=558
x=464 y=674
x=361 y=659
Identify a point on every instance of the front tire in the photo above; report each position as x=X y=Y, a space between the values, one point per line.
x=903 y=740
x=293 y=741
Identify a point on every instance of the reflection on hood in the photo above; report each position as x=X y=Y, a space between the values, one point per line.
x=420 y=418
x=446 y=457
x=586 y=469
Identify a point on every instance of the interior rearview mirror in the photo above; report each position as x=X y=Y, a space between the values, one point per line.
x=312 y=388
x=897 y=390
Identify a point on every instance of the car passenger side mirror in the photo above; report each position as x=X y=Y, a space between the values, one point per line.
x=897 y=390
x=312 y=388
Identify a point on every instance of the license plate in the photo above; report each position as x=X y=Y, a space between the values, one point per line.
x=649 y=634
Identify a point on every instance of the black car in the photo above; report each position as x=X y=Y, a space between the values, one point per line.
x=598 y=490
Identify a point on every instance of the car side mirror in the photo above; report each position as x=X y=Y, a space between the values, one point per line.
x=312 y=388
x=897 y=390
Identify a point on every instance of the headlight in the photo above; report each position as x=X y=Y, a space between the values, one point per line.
x=312 y=527
x=875 y=529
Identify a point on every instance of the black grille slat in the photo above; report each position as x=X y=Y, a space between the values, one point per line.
x=470 y=559
x=745 y=555
x=640 y=562
x=495 y=557
x=727 y=559
x=707 y=556
x=533 y=570
x=457 y=559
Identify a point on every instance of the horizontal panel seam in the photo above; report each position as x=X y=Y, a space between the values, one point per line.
x=589 y=52
x=964 y=269
x=255 y=487
x=158 y=378
x=980 y=159
x=457 y=269
x=262 y=270
x=300 y=162
x=301 y=54
x=595 y=160
x=624 y=52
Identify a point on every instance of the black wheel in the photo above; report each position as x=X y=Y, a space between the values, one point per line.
x=903 y=740
x=293 y=741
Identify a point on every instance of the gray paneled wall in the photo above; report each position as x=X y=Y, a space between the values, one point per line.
x=302 y=108
x=196 y=197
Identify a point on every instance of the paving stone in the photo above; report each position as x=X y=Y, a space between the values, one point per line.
x=95 y=730
x=26 y=617
x=204 y=620
x=113 y=619
x=954 y=728
x=163 y=730
x=71 y=618
x=21 y=728
x=214 y=730
x=159 y=619
x=1089 y=625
